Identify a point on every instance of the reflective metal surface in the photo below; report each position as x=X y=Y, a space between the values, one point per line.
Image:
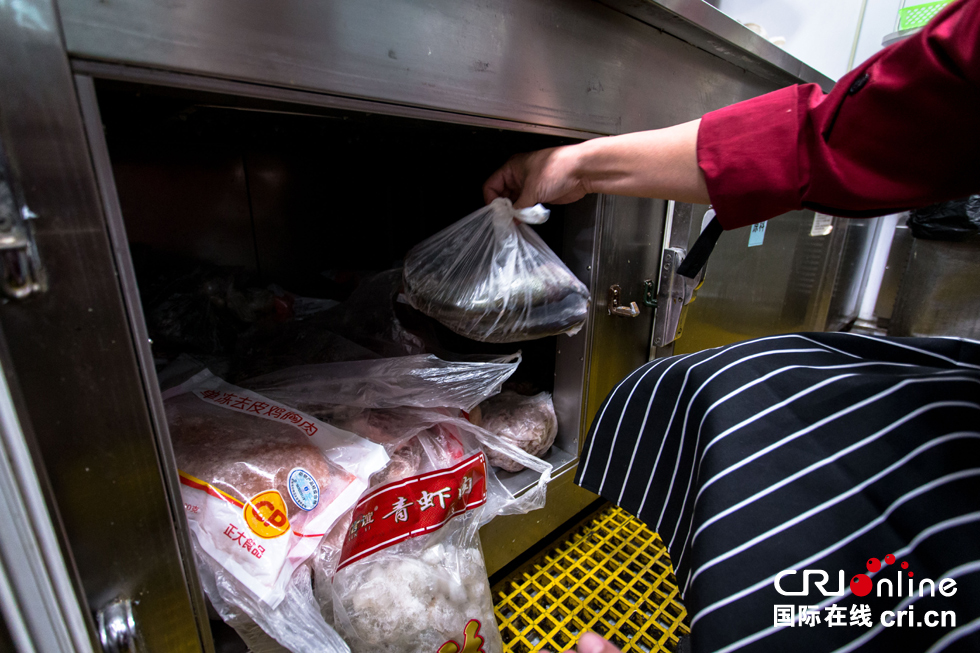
x=573 y=64
x=681 y=228
x=676 y=293
x=127 y=279
x=118 y=632
x=21 y=271
x=898 y=258
x=72 y=352
x=781 y=286
x=613 y=307
x=240 y=90
x=629 y=251
x=38 y=603
x=940 y=293
x=711 y=30
x=853 y=241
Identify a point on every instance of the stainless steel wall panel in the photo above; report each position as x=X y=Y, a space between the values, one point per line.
x=73 y=354
x=779 y=286
x=241 y=90
x=38 y=602
x=574 y=354
x=573 y=64
x=940 y=293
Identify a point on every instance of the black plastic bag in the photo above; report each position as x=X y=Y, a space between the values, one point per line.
x=954 y=220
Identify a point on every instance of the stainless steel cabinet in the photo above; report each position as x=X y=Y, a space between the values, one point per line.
x=567 y=70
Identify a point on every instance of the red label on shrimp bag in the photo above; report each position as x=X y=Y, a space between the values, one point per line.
x=414 y=506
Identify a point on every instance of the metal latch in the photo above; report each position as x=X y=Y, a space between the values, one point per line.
x=614 y=306
x=117 y=628
x=21 y=272
x=675 y=293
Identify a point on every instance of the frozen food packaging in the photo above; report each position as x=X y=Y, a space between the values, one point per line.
x=529 y=423
x=410 y=576
x=491 y=278
x=261 y=484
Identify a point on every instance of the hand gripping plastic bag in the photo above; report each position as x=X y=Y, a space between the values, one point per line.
x=261 y=484
x=491 y=278
x=410 y=577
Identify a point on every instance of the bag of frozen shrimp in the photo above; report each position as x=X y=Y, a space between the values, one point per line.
x=410 y=575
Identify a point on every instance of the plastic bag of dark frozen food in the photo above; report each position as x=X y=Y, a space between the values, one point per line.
x=529 y=423
x=410 y=577
x=491 y=278
x=261 y=484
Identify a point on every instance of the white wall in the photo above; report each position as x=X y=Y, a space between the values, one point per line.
x=880 y=19
x=820 y=33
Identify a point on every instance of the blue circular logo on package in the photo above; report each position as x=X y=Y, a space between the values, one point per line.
x=303 y=489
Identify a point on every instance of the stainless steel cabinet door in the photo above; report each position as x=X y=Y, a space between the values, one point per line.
x=629 y=250
x=73 y=353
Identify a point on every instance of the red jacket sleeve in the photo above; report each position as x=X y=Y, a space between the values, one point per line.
x=900 y=131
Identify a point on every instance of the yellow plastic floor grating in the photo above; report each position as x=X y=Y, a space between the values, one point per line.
x=611 y=576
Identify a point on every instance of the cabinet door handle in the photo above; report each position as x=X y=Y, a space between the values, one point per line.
x=632 y=310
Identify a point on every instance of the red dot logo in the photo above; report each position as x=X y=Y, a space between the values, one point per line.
x=911 y=574
x=861 y=585
x=905 y=565
x=873 y=565
x=889 y=559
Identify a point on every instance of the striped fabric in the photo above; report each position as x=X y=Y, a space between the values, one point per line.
x=805 y=451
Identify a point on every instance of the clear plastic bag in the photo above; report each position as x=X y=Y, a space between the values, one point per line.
x=423 y=381
x=261 y=483
x=411 y=577
x=529 y=423
x=294 y=625
x=371 y=600
x=491 y=278
x=447 y=436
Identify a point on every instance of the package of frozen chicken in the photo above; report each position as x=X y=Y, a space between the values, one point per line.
x=261 y=484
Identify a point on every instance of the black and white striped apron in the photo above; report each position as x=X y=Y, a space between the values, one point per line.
x=805 y=451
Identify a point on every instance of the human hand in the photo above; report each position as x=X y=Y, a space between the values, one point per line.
x=532 y=177
x=661 y=163
x=592 y=643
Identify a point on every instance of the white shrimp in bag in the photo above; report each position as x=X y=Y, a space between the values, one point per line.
x=491 y=278
x=410 y=577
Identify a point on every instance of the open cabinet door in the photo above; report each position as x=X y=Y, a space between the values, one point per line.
x=73 y=357
x=629 y=250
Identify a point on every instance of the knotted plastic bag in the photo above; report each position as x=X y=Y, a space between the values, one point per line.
x=491 y=278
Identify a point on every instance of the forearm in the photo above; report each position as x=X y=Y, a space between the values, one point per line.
x=661 y=163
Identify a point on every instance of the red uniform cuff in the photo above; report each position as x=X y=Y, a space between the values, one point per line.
x=750 y=155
